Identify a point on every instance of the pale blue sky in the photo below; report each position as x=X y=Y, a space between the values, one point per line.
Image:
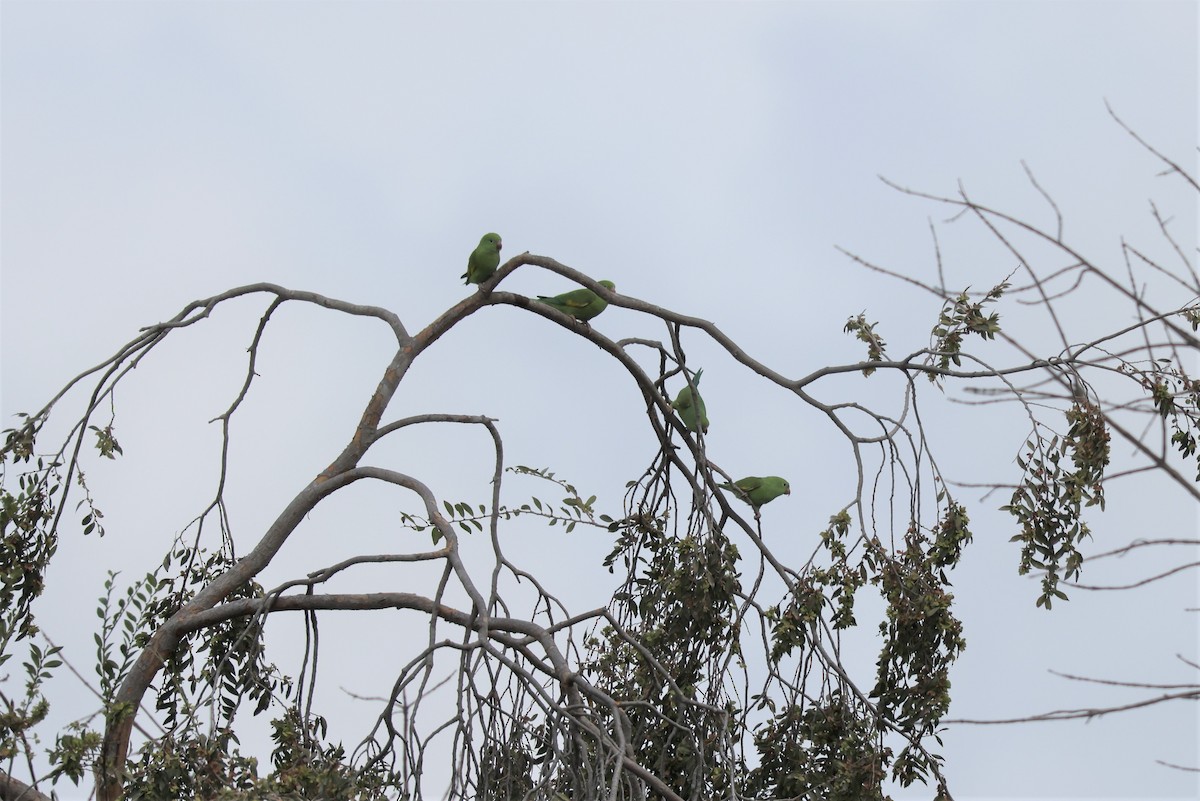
x=704 y=156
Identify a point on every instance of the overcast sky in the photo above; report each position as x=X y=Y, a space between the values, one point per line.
x=707 y=157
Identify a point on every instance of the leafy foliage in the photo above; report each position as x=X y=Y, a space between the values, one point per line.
x=677 y=603
x=1175 y=399
x=865 y=332
x=572 y=510
x=228 y=659
x=829 y=750
x=1049 y=502
x=960 y=318
x=210 y=766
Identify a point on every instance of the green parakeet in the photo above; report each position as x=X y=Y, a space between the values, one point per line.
x=484 y=260
x=582 y=304
x=691 y=406
x=757 y=490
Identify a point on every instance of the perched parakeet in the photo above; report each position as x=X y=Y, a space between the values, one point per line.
x=691 y=406
x=484 y=260
x=757 y=490
x=582 y=304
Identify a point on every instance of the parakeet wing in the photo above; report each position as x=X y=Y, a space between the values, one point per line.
x=577 y=299
x=582 y=304
x=749 y=483
x=691 y=406
x=482 y=263
x=760 y=490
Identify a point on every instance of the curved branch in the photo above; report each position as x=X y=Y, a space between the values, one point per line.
x=12 y=789
x=115 y=747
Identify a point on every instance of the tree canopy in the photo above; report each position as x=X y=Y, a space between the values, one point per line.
x=716 y=668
